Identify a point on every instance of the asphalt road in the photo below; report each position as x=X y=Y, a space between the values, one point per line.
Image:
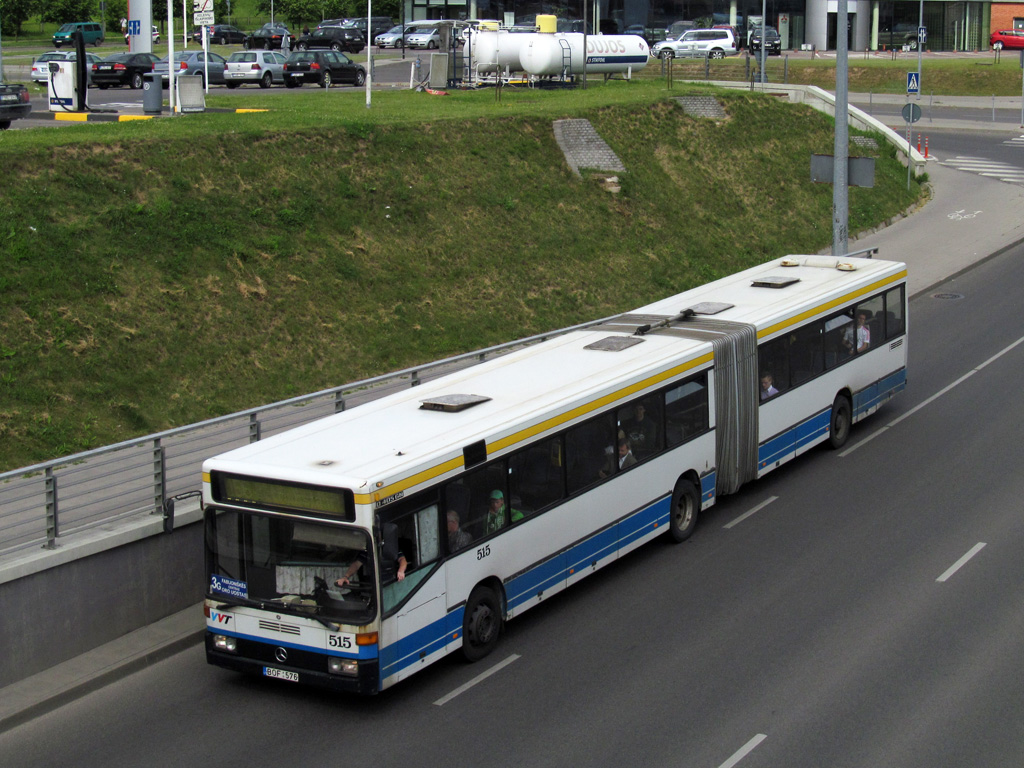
x=866 y=614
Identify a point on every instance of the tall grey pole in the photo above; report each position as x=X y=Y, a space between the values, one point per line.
x=764 y=14
x=369 y=51
x=840 y=192
x=920 y=46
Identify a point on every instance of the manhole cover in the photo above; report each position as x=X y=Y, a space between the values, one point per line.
x=953 y=296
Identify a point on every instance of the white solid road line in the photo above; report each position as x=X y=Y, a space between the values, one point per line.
x=962 y=561
x=748 y=513
x=745 y=750
x=934 y=397
x=478 y=679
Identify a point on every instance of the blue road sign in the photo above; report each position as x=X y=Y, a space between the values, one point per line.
x=922 y=35
x=913 y=82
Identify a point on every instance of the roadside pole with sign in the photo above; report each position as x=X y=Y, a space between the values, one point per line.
x=202 y=16
x=911 y=114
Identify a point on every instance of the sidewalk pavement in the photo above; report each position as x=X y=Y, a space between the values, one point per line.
x=936 y=240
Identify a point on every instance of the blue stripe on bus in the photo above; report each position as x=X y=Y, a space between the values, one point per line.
x=554 y=571
x=707 y=487
x=881 y=391
x=411 y=648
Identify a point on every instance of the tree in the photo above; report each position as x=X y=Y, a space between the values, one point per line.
x=63 y=11
x=14 y=13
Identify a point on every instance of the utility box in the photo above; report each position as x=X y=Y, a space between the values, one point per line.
x=152 y=94
x=61 y=86
x=191 y=94
x=438 y=70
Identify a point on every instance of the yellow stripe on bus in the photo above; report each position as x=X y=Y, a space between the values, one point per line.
x=772 y=329
x=524 y=434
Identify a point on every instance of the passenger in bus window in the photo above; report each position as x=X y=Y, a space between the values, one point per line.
x=863 y=332
x=457 y=538
x=767 y=387
x=495 y=512
x=640 y=429
x=626 y=457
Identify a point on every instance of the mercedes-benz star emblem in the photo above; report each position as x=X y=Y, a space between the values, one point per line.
x=281 y=654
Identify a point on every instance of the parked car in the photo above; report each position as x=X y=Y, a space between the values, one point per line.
x=334 y=39
x=322 y=67
x=91 y=31
x=123 y=69
x=220 y=34
x=713 y=43
x=676 y=29
x=651 y=35
x=270 y=35
x=194 y=63
x=155 y=35
x=378 y=25
x=262 y=67
x=14 y=103
x=394 y=37
x=1007 y=38
x=772 y=41
x=41 y=72
x=424 y=36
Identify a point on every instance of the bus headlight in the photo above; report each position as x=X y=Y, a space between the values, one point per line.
x=225 y=643
x=339 y=666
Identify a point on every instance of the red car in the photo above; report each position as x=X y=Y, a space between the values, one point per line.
x=1007 y=38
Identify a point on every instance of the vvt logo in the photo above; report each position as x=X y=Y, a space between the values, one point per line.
x=220 y=618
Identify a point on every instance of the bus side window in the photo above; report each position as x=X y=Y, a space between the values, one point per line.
x=535 y=478
x=806 y=353
x=894 y=313
x=686 y=410
x=470 y=497
x=590 y=451
x=871 y=312
x=773 y=361
x=839 y=334
x=640 y=422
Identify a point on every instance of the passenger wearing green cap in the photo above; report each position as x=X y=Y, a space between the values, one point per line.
x=496 y=519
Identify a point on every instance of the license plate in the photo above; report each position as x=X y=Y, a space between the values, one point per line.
x=106 y=67
x=281 y=674
x=9 y=97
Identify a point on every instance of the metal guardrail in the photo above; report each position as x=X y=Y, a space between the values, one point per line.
x=42 y=503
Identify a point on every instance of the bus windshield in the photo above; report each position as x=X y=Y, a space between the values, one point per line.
x=290 y=566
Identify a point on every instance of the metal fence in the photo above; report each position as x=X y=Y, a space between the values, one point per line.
x=63 y=497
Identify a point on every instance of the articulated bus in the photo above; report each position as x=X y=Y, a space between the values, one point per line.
x=353 y=551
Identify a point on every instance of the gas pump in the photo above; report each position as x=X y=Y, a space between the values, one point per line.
x=68 y=84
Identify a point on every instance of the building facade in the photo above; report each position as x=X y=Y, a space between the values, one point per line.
x=875 y=25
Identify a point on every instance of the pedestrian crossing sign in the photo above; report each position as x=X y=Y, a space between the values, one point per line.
x=913 y=82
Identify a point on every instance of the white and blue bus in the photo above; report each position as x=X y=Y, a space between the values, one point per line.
x=354 y=551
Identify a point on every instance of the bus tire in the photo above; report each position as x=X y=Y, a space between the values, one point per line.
x=481 y=624
x=840 y=422
x=683 y=514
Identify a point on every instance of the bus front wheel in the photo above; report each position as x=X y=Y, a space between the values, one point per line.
x=839 y=423
x=481 y=624
x=683 y=515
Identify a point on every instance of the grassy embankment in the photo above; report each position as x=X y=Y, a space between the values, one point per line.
x=154 y=274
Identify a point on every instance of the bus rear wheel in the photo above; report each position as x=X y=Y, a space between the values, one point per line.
x=683 y=515
x=481 y=625
x=840 y=421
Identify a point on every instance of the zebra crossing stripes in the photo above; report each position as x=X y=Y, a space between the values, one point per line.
x=1017 y=142
x=1011 y=174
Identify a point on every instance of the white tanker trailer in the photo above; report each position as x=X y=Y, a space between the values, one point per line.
x=547 y=54
x=553 y=53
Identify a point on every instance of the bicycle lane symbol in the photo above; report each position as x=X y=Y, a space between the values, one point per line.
x=961 y=215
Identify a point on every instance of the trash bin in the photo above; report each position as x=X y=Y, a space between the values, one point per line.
x=152 y=94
